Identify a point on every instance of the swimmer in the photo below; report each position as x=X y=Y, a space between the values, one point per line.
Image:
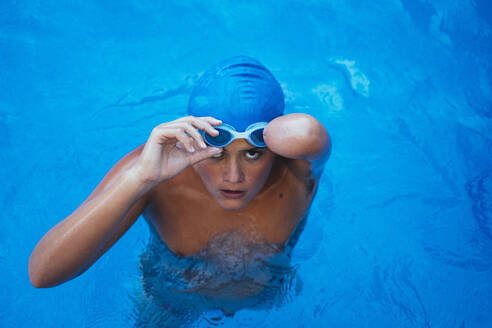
x=236 y=164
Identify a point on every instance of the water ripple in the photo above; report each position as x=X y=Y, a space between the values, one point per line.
x=480 y=191
x=467 y=261
x=123 y=101
x=392 y=288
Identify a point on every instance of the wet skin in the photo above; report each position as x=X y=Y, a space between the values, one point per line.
x=260 y=194
x=245 y=189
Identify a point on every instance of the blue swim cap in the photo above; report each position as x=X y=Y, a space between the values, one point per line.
x=239 y=91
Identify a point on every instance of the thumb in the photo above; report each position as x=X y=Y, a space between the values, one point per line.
x=203 y=154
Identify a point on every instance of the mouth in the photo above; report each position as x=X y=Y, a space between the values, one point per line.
x=232 y=194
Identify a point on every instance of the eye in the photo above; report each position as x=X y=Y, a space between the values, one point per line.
x=253 y=154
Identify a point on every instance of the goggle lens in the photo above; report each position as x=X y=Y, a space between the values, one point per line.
x=223 y=137
x=257 y=137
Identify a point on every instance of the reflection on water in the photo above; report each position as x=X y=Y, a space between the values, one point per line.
x=234 y=271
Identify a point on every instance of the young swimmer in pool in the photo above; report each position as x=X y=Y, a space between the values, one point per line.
x=236 y=166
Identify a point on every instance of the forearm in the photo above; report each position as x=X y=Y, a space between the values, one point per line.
x=66 y=250
x=298 y=136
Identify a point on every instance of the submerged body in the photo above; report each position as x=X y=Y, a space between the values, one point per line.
x=213 y=257
x=217 y=250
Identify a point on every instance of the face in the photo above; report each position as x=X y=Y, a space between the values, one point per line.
x=237 y=175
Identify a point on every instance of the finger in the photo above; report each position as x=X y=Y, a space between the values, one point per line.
x=162 y=135
x=204 y=154
x=181 y=136
x=212 y=120
x=191 y=131
x=196 y=123
x=209 y=119
x=180 y=145
x=205 y=125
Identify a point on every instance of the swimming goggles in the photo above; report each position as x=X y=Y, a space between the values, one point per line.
x=227 y=134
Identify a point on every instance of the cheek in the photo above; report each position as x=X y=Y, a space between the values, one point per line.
x=261 y=174
x=258 y=175
x=207 y=172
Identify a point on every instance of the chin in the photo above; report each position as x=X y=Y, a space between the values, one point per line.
x=231 y=205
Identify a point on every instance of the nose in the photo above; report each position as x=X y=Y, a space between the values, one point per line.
x=233 y=172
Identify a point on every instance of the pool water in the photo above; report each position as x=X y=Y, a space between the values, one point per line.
x=400 y=232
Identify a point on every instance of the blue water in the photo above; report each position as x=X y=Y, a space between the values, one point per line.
x=400 y=234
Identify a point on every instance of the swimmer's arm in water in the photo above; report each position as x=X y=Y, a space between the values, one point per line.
x=74 y=244
x=299 y=136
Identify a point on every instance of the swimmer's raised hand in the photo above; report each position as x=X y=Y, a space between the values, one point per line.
x=79 y=240
x=173 y=146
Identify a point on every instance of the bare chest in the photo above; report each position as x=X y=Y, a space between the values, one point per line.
x=187 y=218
